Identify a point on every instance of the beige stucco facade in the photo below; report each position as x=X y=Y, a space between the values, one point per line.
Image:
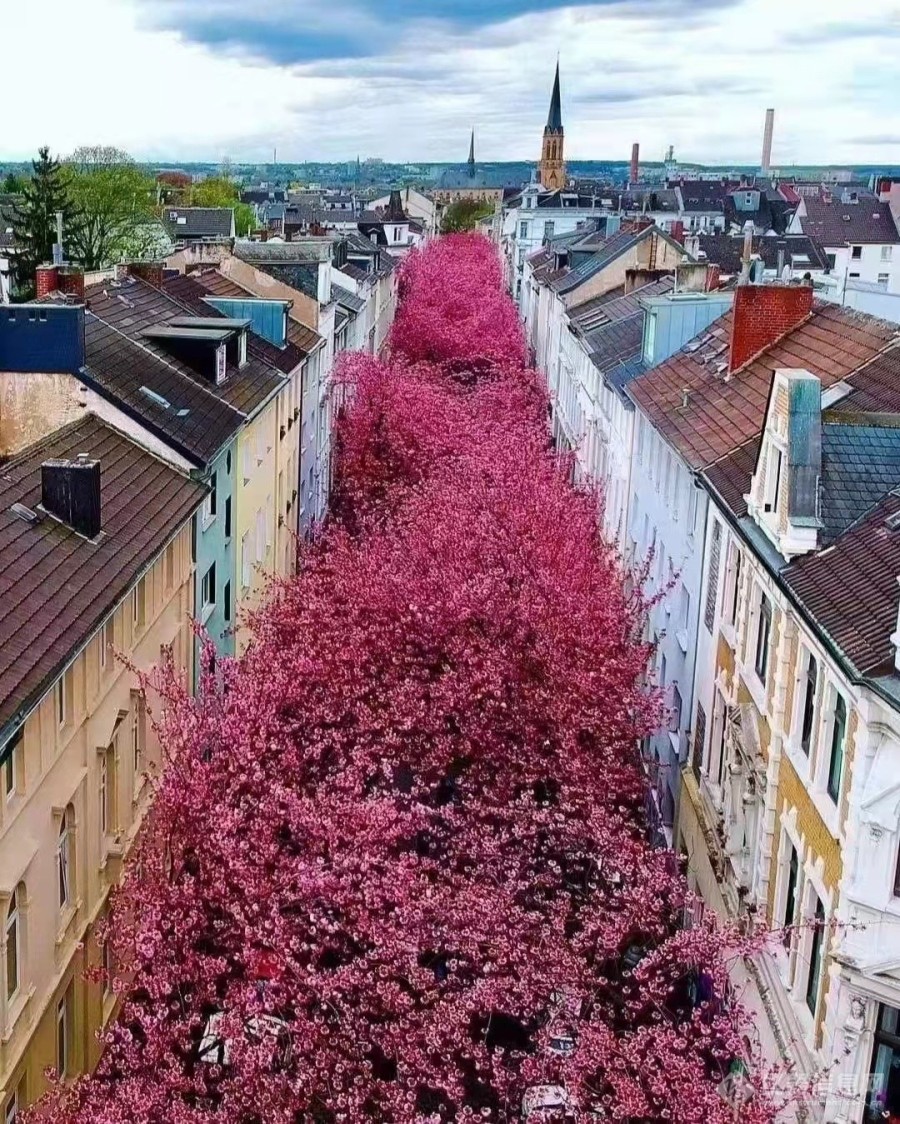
x=71 y=804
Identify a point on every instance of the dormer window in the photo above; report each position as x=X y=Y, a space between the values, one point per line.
x=242 y=349
x=221 y=364
x=784 y=492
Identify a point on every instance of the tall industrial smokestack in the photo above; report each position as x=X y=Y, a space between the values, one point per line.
x=766 y=165
x=635 y=163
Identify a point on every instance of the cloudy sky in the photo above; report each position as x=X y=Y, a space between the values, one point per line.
x=407 y=79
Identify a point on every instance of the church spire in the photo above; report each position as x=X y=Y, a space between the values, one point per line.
x=554 y=119
x=552 y=167
x=472 y=155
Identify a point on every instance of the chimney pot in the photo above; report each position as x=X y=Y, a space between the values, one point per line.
x=70 y=490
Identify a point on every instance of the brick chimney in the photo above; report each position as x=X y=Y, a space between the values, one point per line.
x=46 y=280
x=149 y=271
x=676 y=230
x=71 y=281
x=70 y=490
x=712 y=277
x=635 y=171
x=761 y=315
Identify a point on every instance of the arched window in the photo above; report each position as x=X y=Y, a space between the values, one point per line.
x=13 y=944
x=64 y=859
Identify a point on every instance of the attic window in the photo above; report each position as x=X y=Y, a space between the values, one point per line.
x=182 y=220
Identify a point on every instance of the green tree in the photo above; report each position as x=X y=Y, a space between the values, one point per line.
x=114 y=203
x=34 y=227
x=464 y=214
x=14 y=183
x=222 y=191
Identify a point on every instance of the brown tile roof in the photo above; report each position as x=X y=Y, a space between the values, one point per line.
x=196 y=422
x=190 y=293
x=837 y=223
x=851 y=590
x=732 y=474
x=722 y=415
x=56 y=587
x=217 y=284
x=876 y=386
x=133 y=305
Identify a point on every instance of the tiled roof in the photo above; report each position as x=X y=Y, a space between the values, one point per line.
x=217 y=284
x=705 y=195
x=196 y=422
x=56 y=586
x=616 y=342
x=354 y=271
x=726 y=250
x=347 y=299
x=722 y=415
x=200 y=222
x=263 y=253
x=621 y=374
x=876 y=386
x=614 y=248
x=860 y=465
x=851 y=590
x=837 y=223
x=615 y=305
x=132 y=306
x=731 y=475
x=191 y=293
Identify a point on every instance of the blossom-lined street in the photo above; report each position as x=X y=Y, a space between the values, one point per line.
x=397 y=866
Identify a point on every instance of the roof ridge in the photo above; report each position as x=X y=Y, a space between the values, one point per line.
x=29 y=450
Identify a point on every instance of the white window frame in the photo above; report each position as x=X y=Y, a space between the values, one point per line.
x=64 y=886
x=107 y=639
x=887 y=253
x=210 y=504
x=63 y=1030
x=245 y=561
x=260 y=534
x=137 y=749
x=12 y=931
x=208 y=589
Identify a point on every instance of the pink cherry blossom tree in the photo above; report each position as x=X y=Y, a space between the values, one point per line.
x=397 y=868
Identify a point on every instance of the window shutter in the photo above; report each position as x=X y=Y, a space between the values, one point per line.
x=712 y=587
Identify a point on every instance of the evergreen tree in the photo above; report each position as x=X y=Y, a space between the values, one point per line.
x=34 y=228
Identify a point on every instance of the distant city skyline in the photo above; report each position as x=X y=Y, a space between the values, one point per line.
x=198 y=80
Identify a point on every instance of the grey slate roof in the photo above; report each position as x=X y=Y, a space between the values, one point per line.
x=616 y=305
x=200 y=222
x=726 y=250
x=614 y=248
x=860 y=465
x=347 y=300
x=261 y=253
x=616 y=342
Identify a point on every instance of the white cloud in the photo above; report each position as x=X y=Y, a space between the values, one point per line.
x=699 y=77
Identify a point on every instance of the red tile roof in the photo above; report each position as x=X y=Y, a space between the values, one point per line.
x=721 y=415
x=56 y=587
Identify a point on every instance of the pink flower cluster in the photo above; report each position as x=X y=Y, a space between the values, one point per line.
x=397 y=869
